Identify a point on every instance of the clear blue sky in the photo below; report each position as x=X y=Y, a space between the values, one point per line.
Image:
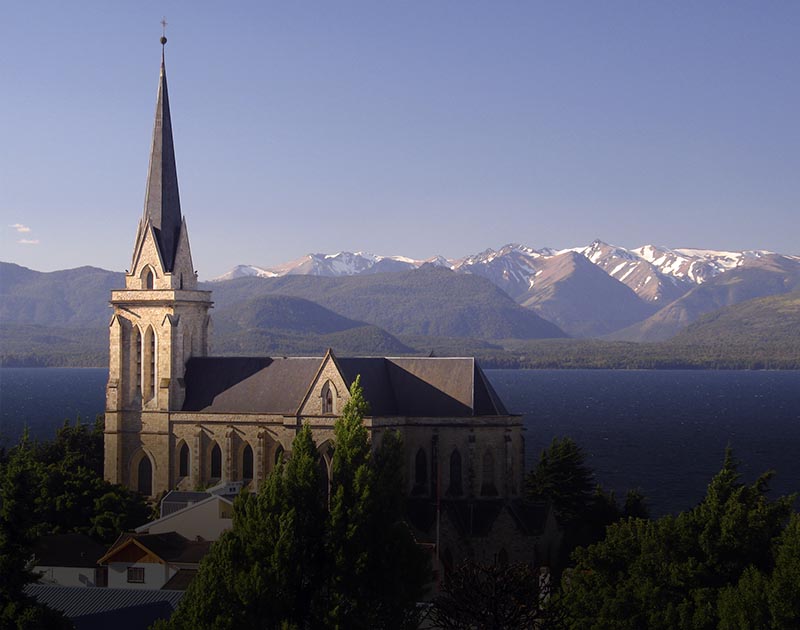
x=415 y=128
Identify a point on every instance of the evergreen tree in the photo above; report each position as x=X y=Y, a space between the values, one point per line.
x=267 y=570
x=289 y=562
x=584 y=509
x=72 y=495
x=477 y=597
x=673 y=573
x=563 y=478
x=377 y=570
x=20 y=477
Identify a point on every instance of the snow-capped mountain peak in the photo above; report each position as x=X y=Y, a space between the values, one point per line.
x=655 y=273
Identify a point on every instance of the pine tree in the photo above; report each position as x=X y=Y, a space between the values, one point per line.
x=377 y=570
x=266 y=571
x=291 y=562
x=20 y=479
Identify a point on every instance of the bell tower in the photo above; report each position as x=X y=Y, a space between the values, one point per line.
x=160 y=320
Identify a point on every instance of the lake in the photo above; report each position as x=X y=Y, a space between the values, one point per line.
x=664 y=431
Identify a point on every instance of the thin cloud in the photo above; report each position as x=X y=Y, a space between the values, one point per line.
x=28 y=241
x=21 y=228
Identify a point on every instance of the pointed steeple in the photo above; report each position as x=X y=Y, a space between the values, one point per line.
x=162 y=205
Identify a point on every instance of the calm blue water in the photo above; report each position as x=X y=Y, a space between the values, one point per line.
x=664 y=431
x=42 y=398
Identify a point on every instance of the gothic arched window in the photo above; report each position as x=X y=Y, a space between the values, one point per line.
x=420 y=473
x=152 y=352
x=216 y=462
x=247 y=463
x=147 y=278
x=455 y=488
x=138 y=344
x=183 y=461
x=327 y=399
x=144 y=476
x=488 y=489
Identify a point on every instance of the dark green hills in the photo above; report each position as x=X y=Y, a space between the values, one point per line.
x=61 y=318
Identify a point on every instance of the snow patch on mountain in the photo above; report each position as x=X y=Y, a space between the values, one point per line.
x=654 y=273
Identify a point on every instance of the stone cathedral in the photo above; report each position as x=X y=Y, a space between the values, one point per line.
x=177 y=418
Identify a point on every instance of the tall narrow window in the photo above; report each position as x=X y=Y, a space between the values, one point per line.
x=420 y=473
x=488 y=488
x=327 y=399
x=455 y=488
x=152 y=352
x=149 y=364
x=216 y=462
x=183 y=461
x=144 y=481
x=138 y=343
x=247 y=463
x=148 y=278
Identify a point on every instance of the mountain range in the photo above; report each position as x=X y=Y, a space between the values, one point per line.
x=495 y=304
x=644 y=294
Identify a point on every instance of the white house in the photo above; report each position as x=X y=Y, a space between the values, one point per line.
x=69 y=560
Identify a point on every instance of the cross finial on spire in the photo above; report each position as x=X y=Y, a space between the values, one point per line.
x=163 y=31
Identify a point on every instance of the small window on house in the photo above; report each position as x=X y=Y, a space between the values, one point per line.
x=183 y=461
x=135 y=575
x=216 y=462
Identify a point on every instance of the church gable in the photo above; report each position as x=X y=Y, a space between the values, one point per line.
x=327 y=392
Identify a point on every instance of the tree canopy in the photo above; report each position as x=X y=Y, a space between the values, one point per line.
x=19 y=478
x=730 y=562
x=293 y=561
x=583 y=508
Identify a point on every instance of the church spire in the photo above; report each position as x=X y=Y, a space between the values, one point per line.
x=162 y=205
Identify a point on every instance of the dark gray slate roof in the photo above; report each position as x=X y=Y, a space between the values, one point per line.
x=102 y=608
x=67 y=550
x=415 y=387
x=430 y=386
x=248 y=385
